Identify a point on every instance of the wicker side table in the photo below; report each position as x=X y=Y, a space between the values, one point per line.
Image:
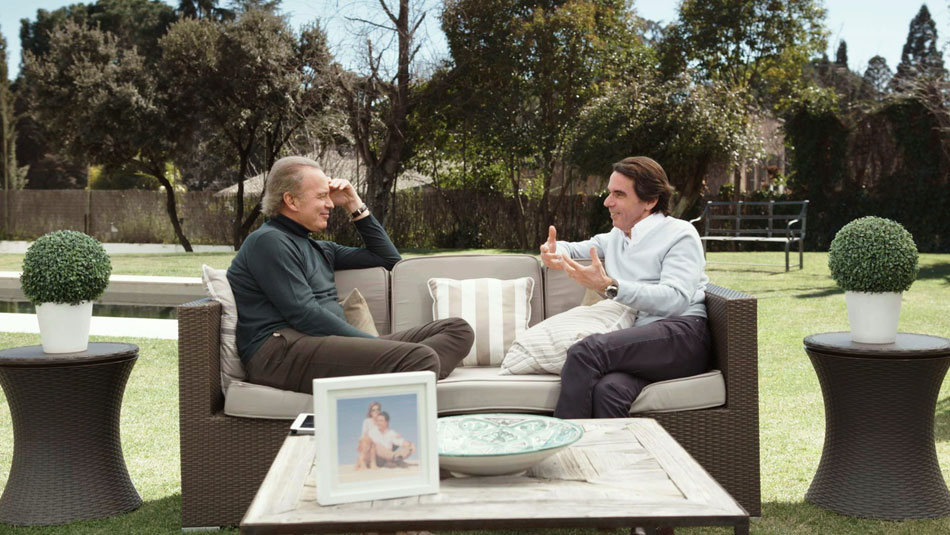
x=879 y=459
x=67 y=453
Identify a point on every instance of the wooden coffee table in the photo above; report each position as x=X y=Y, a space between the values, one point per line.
x=622 y=473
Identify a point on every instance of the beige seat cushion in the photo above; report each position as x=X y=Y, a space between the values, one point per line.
x=248 y=400
x=482 y=389
x=703 y=391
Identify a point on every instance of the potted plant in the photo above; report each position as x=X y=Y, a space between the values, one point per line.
x=873 y=260
x=63 y=273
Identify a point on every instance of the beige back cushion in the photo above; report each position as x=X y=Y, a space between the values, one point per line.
x=412 y=305
x=560 y=291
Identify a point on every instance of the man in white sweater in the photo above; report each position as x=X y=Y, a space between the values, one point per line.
x=651 y=262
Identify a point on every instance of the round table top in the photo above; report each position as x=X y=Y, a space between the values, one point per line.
x=97 y=352
x=906 y=346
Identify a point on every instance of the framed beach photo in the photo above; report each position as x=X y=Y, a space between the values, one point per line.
x=376 y=437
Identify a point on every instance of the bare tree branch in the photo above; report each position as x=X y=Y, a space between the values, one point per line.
x=417 y=24
x=388 y=12
x=371 y=23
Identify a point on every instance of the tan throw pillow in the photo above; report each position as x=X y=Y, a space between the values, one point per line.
x=498 y=311
x=543 y=348
x=357 y=312
x=216 y=282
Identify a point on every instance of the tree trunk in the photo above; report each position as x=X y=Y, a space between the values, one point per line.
x=691 y=191
x=157 y=170
x=515 y=175
x=385 y=163
x=238 y=228
x=172 y=210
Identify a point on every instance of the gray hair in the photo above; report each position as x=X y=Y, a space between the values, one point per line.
x=284 y=177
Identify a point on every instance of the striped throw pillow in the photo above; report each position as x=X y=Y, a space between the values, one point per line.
x=498 y=311
x=543 y=348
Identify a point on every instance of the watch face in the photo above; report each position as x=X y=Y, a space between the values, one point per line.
x=611 y=291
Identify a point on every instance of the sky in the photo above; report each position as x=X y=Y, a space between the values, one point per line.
x=870 y=27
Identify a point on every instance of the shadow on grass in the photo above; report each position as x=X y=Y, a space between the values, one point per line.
x=154 y=517
x=758 y=269
x=936 y=271
x=818 y=292
x=805 y=518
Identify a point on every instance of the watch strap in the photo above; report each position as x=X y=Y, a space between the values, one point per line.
x=359 y=211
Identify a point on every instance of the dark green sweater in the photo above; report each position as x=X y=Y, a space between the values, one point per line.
x=282 y=278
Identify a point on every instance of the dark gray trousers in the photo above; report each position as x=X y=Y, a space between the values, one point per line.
x=604 y=373
x=291 y=360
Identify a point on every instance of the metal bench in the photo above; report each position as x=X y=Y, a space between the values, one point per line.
x=756 y=221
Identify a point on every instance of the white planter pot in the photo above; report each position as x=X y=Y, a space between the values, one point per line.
x=64 y=328
x=873 y=316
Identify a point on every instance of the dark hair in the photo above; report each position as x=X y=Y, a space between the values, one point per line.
x=384 y=414
x=369 y=411
x=649 y=181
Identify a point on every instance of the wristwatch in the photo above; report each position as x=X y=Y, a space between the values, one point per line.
x=611 y=290
x=359 y=211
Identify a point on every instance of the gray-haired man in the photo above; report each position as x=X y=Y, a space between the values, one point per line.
x=291 y=329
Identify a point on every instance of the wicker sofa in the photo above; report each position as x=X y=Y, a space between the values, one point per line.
x=226 y=452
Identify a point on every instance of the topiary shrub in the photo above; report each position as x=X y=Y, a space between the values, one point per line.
x=873 y=254
x=65 y=266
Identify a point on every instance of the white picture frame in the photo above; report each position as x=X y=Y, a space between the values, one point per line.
x=398 y=458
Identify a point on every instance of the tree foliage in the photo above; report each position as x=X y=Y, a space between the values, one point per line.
x=523 y=70
x=8 y=166
x=134 y=23
x=104 y=104
x=754 y=45
x=204 y=9
x=850 y=87
x=250 y=83
x=379 y=104
x=684 y=125
x=878 y=77
x=920 y=56
x=841 y=56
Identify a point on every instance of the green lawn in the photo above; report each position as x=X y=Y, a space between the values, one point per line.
x=791 y=306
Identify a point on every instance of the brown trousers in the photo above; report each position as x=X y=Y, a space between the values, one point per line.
x=291 y=360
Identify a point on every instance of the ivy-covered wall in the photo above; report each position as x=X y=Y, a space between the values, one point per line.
x=888 y=161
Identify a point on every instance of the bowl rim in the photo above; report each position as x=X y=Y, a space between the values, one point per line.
x=578 y=428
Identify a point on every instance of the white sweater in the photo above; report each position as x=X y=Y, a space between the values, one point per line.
x=659 y=268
